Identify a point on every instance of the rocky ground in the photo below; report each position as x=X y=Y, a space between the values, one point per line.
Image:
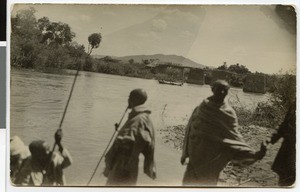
x=258 y=174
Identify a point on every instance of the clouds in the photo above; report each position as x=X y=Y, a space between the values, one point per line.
x=187 y=35
x=169 y=31
x=173 y=13
x=84 y=18
x=109 y=13
x=78 y=18
x=159 y=25
x=250 y=35
x=150 y=35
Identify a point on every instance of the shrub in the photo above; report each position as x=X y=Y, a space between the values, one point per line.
x=269 y=113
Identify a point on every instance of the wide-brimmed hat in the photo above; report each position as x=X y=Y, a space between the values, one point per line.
x=17 y=147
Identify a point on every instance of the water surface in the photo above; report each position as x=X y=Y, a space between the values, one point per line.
x=98 y=101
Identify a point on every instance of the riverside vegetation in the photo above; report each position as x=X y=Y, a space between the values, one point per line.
x=47 y=46
x=257 y=123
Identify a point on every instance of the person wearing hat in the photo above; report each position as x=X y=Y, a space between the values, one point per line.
x=212 y=140
x=134 y=138
x=45 y=168
x=19 y=153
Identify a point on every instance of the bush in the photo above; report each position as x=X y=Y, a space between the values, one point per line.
x=170 y=74
x=269 y=113
x=264 y=114
x=116 y=67
x=283 y=91
x=283 y=95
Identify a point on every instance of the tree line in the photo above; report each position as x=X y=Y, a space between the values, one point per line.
x=42 y=44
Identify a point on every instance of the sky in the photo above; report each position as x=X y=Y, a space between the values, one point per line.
x=251 y=35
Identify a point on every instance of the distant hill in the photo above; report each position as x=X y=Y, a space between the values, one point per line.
x=163 y=58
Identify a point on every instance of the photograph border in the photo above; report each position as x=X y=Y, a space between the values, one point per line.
x=9 y=187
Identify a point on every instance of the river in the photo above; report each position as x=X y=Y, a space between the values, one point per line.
x=98 y=101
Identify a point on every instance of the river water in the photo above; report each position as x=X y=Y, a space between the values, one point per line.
x=98 y=101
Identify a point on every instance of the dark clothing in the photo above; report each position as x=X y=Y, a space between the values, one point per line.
x=211 y=141
x=285 y=161
x=134 y=138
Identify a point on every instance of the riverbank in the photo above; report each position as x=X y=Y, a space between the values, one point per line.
x=170 y=172
x=49 y=70
x=97 y=103
x=258 y=174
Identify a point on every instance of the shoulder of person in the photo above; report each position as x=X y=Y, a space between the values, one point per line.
x=139 y=118
x=228 y=108
x=57 y=158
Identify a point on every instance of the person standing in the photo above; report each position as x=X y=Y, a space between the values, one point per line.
x=212 y=140
x=134 y=138
x=285 y=162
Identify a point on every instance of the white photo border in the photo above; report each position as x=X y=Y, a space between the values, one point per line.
x=5 y=134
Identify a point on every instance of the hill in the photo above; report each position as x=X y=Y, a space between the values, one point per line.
x=163 y=58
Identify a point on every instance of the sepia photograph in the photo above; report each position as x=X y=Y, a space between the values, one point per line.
x=152 y=95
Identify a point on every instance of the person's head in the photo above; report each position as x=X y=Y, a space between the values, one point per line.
x=220 y=90
x=40 y=151
x=18 y=152
x=137 y=97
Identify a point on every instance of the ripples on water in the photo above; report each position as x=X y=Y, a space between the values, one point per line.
x=98 y=101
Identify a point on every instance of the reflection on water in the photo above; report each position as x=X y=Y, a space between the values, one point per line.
x=98 y=101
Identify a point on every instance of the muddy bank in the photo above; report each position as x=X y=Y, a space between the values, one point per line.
x=258 y=174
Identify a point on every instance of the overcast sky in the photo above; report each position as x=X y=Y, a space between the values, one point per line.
x=253 y=36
